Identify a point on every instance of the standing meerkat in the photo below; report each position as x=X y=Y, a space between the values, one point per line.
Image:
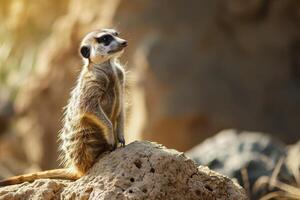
x=94 y=116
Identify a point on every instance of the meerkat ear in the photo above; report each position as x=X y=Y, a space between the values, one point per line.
x=85 y=51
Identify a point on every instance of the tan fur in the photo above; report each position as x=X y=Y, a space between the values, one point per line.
x=54 y=174
x=94 y=116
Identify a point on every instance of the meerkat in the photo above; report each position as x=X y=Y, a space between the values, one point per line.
x=94 y=116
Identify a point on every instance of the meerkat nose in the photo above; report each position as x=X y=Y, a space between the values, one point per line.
x=124 y=44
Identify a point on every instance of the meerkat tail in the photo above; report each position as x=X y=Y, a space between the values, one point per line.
x=49 y=174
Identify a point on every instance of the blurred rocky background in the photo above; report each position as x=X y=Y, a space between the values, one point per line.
x=195 y=68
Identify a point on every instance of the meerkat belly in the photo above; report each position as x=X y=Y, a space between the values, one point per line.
x=109 y=102
x=83 y=144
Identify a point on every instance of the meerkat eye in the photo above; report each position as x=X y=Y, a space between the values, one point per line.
x=105 y=39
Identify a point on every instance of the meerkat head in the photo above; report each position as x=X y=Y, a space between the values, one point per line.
x=102 y=45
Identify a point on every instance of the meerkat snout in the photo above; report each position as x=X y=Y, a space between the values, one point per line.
x=124 y=44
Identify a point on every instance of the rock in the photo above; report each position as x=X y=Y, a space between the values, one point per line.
x=212 y=65
x=141 y=170
x=246 y=156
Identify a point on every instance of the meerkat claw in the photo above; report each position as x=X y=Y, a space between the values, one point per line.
x=122 y=142
x=113 y=147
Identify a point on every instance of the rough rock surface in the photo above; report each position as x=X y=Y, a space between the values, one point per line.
x=141 y=170
x=246 y=156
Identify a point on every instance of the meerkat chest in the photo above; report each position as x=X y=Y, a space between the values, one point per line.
x=110 y=99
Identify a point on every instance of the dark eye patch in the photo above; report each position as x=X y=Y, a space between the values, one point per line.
x=105 y=39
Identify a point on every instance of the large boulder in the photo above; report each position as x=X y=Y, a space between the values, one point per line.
x=249 y=157
x=141 y=170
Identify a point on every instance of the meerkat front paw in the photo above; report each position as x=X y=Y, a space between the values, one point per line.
x=113 y=147
x=121 y=140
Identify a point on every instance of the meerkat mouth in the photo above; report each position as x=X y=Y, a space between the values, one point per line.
x=116 y=50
